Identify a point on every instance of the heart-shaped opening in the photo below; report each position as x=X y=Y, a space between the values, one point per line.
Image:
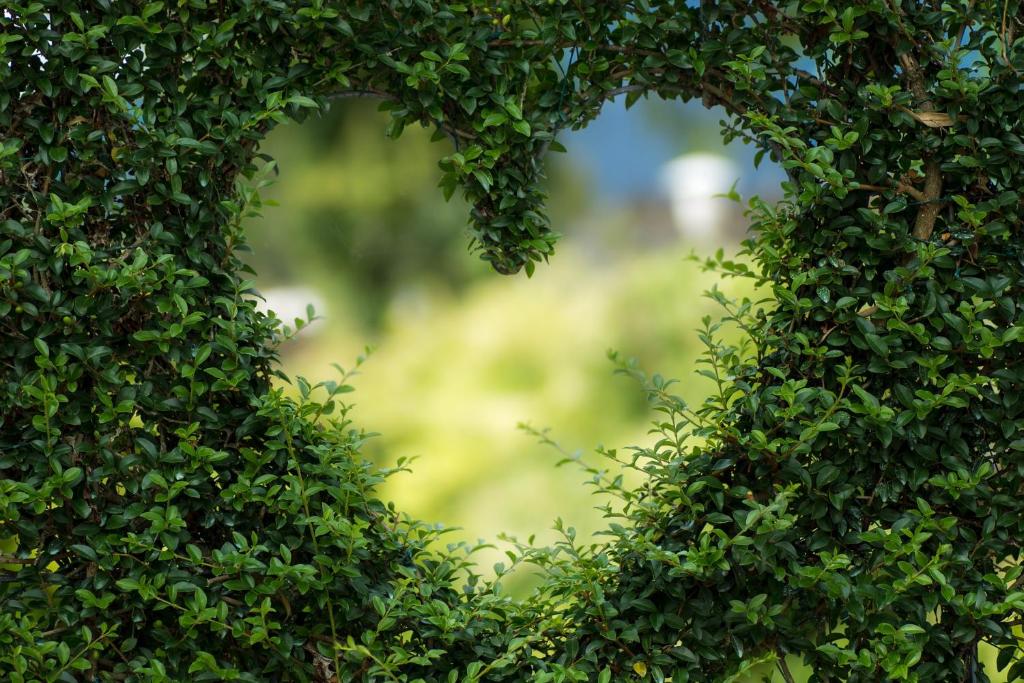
x=457 y=361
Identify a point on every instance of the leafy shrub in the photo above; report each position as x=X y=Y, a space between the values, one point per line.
x=850 y=495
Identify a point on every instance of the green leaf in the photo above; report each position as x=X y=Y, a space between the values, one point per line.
x=877 y=344
x=110 y=86
x=303 y=101
x=464 y=72
x=495 y=119
x=72 y=476
x=85 y=551
x=128 y=584
x=42 y=347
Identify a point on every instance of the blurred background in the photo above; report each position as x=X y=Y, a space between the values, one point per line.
x=355 y=225
x=463 y=355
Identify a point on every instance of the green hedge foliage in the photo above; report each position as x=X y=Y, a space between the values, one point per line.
x=850 y=496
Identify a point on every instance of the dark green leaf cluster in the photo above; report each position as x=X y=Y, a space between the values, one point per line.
x=850 y=496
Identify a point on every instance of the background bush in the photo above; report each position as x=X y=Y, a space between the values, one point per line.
x=849 y=496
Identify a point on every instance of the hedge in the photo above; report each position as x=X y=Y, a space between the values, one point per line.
x=849 y=497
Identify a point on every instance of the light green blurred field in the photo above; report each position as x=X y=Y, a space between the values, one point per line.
x=452 y=377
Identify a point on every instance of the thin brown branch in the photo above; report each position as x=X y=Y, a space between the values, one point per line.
x=46 y=191
x=366 y=92
x=900 y=188
x=216 y=580
x=63 y=629
x=1006 y=37
x=963 y=28
x=784 y=669
x=810 y=78
x=454 y=134
x=928 y=213
x=623 y=49
x=915 y=81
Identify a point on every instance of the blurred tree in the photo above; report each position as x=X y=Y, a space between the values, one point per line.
x=364 y=215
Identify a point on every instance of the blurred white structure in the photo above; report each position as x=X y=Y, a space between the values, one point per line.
x=692 y=181
x=289 y=303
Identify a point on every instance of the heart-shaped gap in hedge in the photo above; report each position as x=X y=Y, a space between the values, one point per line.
x=854 y=499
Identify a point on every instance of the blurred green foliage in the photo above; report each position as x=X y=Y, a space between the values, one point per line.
x=458 y=360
